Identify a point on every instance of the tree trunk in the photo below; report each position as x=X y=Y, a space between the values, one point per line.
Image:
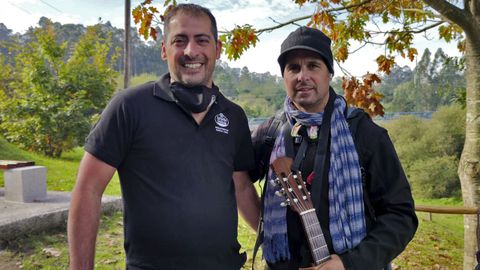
x=469 y=166
x=468 y=19
x=126 y=46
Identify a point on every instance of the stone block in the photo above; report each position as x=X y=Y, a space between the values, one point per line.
x=26 y=184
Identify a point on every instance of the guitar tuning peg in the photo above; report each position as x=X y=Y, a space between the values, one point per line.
x=285 y=203
x=280 y=192
x=295 y=176
x=299 y=187
x=274 y=182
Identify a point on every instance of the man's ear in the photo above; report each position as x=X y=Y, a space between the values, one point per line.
x=164 y=52
x=219 y=48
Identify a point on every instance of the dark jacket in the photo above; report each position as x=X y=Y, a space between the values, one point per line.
x=389 y=208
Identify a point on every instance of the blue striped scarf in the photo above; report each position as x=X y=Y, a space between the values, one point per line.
x=346 y=212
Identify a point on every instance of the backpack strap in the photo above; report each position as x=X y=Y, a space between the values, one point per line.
x=268 y=140
x=271 y=135
x=354 y=116
x=259 y=238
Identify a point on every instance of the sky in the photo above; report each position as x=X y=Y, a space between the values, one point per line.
x=19 y=15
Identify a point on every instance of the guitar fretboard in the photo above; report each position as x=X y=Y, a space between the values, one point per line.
x=316 y=240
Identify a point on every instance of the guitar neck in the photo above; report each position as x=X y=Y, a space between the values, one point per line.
x=316 y=240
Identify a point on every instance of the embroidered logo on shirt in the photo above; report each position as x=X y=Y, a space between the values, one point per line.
x=222 y=121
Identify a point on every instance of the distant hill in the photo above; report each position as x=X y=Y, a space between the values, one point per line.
x=145 y=55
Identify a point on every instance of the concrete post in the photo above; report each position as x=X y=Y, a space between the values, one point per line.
x=26 y=184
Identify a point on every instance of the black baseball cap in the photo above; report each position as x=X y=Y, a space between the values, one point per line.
x=307 y=38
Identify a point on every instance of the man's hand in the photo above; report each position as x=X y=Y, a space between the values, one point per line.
x=333 y=264
x=248 y=202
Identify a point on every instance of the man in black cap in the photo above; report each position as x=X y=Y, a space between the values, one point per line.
x=360 y=193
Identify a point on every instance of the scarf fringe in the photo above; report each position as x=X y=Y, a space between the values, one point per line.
x=274 y=249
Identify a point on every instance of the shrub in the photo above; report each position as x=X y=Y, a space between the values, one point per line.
x=435 y=177
x=49 y=107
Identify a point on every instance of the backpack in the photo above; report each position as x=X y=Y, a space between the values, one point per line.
x=353 y=116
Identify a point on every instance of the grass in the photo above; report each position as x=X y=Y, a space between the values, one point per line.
x=136 y=80
x=61 y=172
x=438 y=243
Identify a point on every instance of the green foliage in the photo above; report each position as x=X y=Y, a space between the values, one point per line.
x=136 y=80
x=406 y=132
x=403 y=98
x=143 y=78
x=6 y=77
x=436 y=81
x=435 y=177
x=397 y=76
x=254 y=106
x=430 y=149
x=260 y=95
x=48 y=108
x=145 y=56
x=445 y=134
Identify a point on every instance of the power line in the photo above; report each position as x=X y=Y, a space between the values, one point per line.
x=53 y=7
x=22 y=9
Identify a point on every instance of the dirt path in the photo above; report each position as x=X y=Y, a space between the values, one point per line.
x=7 y=263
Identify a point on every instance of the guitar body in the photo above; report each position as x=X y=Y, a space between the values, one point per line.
x=298 y=198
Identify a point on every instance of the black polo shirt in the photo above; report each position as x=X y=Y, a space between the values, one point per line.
x=176 y=177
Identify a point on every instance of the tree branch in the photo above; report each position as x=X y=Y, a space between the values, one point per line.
x=413 y=31
x=280 y=25
x=428 y=27
x=293 y=21
x=451 y=12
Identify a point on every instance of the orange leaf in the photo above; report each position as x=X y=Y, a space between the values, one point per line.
x=362 y=94
x=153 y=33
x=412 y=52
x=385 y=64
x=342 y=53
x=137 y=14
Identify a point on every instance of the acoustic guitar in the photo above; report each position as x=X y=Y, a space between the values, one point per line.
x=298 y=198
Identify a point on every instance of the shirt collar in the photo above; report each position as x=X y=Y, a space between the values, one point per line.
x=161 y=89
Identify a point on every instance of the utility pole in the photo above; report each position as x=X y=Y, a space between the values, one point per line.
x=126 y=46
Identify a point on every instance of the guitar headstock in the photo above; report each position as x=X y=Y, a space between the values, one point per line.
x=292 y=185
